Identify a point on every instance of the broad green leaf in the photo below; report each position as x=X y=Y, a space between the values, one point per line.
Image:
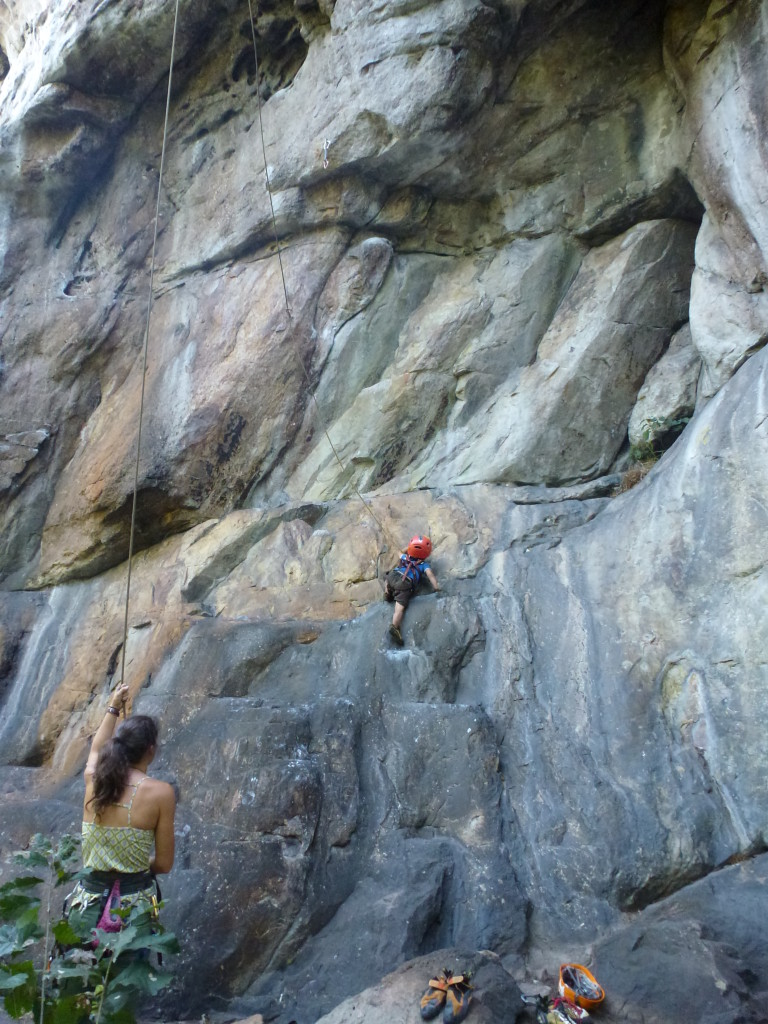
x=164 y=942
x=28 y=926
x=118 y=1015
x=67 y=1010
x=12 y=906
x=22 y=882
x=20 y=1001
x=18 y=983
x=64 y=876
x=9 y=942
x=61 y=969
x=143 y=976
x=65 y=934
x=116 y=1001
x=68 y=848
x=66 y=859
x=80 y=926
x=12 y=981
x=32 y=859
x=133 y=939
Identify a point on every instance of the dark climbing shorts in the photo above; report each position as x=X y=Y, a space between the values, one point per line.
x=400 y=587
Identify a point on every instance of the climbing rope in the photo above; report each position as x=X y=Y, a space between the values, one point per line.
x=304 y=370
x=146 y=350
x=150 y=302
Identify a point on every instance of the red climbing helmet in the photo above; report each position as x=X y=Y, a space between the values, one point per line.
x=420 y=547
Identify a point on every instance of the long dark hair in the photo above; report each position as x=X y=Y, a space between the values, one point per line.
x=127 y=747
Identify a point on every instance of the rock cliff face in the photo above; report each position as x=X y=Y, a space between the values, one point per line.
x=512 y=247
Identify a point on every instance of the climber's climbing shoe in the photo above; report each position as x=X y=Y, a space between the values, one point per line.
x=457 y=999
x=396 y=635
x=433 y=1000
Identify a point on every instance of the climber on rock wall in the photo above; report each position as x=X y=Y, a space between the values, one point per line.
x=403 y=580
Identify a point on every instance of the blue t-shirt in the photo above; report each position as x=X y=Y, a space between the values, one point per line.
x=412 y=568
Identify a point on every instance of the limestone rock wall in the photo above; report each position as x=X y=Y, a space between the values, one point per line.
x=511 y=244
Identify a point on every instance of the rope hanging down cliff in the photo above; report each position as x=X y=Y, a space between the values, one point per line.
x=146 y=348
x=150 y=301
x=304 y=370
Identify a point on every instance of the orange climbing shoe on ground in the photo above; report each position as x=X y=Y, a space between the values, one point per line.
x=433 y=999
x=457 y=999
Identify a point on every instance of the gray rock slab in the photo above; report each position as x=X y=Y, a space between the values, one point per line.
x=563 y=418
x=495 y=992
x=668 y=394
x=697 y=956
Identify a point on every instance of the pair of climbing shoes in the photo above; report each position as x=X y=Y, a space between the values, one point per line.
x=451 y=993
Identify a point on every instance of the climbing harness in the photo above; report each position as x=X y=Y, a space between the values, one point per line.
x=409 y=569
x=410 y=565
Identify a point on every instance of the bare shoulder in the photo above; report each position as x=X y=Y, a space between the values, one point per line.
x=163 y=792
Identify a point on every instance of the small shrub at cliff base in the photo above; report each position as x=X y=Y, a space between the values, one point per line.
x=655 y=439
x=657 y=436
x=49 y=968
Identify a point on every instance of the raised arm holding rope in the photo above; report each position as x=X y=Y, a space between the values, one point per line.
x=128 y=817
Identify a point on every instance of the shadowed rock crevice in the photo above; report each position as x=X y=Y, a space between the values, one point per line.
x=158 y=516
x=279 y=44
x=674 y=197
x=658 y=894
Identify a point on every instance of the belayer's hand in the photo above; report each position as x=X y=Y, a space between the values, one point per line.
x=120 y=696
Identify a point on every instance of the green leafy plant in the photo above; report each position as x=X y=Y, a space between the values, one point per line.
x=51 y=967
x=656 y=437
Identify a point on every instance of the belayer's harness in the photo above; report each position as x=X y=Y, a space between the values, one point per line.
x=109 y=892
x=103 y=881
x=111 y=886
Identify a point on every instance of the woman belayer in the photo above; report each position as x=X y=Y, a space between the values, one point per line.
x=127 y=835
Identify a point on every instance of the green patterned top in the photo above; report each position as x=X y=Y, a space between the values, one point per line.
x=122 y=848
x=117 y=847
